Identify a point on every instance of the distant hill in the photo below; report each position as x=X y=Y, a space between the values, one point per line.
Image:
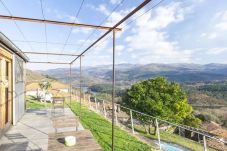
x=128 y=73
x=202 y=99
x=32 y=76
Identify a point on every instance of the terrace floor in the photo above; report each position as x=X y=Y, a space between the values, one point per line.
x=31 y=133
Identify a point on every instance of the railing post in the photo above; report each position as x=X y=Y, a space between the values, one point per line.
x=115 y=111
x=223 y=144
x=104 y=108
x=119 y=109
x=132 y=122
x=179 y=131
x=204 y=143
x=198 y=138
x=96 y=104
x=89 y=99
x=159 y=140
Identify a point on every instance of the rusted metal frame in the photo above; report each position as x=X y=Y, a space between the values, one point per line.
x=113 y=91
x=47 y=62
x=115 y=26
x=55 y=22
x=48 y=53
x=80 y=81
x=70 y=83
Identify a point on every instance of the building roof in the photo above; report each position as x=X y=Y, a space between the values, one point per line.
x=12 y=47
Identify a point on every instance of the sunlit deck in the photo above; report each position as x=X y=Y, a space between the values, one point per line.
x=34 y=129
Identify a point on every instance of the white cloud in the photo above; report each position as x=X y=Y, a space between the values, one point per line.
x=203 y=35
x=115 y=1
x=114 y=17
x=81 y=30
x=120 y=47
x=73 y=19
x=102 y=8
x=222 y=23
x=212 y=35
x=218 y=25
x=222 y=26
x=162 y=16
x=151 y=43
x=216 y=51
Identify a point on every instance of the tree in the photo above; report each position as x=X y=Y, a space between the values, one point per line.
x=45 y=86
x=159 y=98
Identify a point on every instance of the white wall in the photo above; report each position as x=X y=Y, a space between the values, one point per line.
x=64 y=90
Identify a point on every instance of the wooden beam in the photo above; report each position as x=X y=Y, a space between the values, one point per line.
x=48 y=62
x=47 y=53
x=56 y=22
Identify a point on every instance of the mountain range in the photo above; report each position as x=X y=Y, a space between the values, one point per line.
x=127 y=73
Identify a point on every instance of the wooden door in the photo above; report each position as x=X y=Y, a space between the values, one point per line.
x=5 y=90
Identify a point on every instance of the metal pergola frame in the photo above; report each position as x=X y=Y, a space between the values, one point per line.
x=113 y=29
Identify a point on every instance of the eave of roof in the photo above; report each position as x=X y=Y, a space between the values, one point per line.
x=10 y=45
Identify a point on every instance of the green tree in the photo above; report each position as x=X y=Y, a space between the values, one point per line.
x=159 y=98
x=192 y=121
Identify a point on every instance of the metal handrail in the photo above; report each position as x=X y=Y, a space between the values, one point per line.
x=198 y=131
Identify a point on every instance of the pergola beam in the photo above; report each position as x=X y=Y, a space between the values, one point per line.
x=48 y=53
x=56 y=22
x=48 y=62
x=115 y=26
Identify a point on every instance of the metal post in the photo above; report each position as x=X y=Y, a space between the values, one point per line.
x=204 y=143
x=159 y=141
x=104 y=108
x=223 y=144
x=96 y=107
x=113 y=90
x=70 y=83
x=179 y=131
x=132 y=122
x=76 y=95
x=115 y=110
x=89 y=99
x=80 y=81
x=198 y=138
x=84 y=98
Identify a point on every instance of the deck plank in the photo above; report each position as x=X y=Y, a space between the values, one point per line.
x=84 y=141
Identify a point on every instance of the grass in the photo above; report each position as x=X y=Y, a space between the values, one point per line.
x=33 y=103
x=102 y=128
x=168 y=136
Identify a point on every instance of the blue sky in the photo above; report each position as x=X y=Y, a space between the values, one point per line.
x=189 y=31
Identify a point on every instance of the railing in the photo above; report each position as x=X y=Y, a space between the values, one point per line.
x=166 y=132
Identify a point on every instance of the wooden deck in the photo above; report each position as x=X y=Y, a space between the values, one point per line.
x=44 y=129
x=65 y=121
x=84 y=141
